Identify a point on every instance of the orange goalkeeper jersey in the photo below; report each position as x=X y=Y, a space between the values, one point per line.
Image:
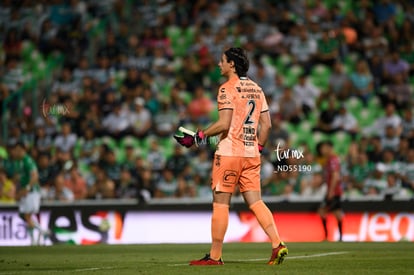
x=247 y=101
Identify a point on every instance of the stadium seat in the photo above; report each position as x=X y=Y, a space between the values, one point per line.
x=282 y=62
x=320 y=76
x=341 y=141
x=167 y=146
x=354 y=105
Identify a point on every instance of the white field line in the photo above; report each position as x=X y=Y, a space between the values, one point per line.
x=287 y=257
x=91 y=269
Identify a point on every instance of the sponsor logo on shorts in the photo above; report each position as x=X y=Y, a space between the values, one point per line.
x=230 y=176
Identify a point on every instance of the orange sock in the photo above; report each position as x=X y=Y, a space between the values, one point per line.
x=266 y=221
x=219 y=222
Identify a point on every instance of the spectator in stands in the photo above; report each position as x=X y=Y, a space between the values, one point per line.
x=166 y=120
x=131 y=154
x=304 y=48
x=156 y=158
x=82 y=71
x=376 y=183
x=12 y=77
x=390 y=139
x=103 y=188
x=58 y=191
x=111 y=166
x=289 y=107
x=12 y=44
x=110 y=49
x=47 y=37
x=401 y=154
x=66 y=140
x=407 y=53
x=266 y=168
x=375 y=43
x=375 y=151
x=116 y=123
x=264 y=75
x=92 y=120
x=362 y=82
x=146 y=184
x=201 y=165
x=186 y=187
x=328 y=49
x=88 y=150
x=398 y=93
x=306 y=93
x=178 y=161
x=278 y=133
x=200 y=106
x=140 y=119
x=345 y=121
x=390 y=118
x=327 y=118
x=407 y=123
x=339 y=84
x=7 y=188
x=389 y=161
x=131 y=87
x=66 y=85
x=103 y=73
x=142 y=59
x=127 y=187
x=376 y=65
x=407 y=171
x=394 y=66
x=75 y=182
x=313 y=187
x=393 y=187
x=167 y=186
x=384 y=11
x=43 y=142
x=47 y=171
x=276 y=186
x=357 y=174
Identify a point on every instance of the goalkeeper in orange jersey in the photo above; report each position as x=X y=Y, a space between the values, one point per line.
x=243 y=127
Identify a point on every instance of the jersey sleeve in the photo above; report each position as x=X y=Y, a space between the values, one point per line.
x=30 y=165
x=225 y=99
x=334 y=164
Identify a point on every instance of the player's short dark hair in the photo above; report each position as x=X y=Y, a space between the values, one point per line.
x=322 y=143
x=240 y=59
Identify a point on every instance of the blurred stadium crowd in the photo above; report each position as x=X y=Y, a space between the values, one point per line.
x=114 y=79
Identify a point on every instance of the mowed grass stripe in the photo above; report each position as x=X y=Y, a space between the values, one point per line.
x=361 y=258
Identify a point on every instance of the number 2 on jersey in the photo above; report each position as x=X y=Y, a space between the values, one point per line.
x=252 y=105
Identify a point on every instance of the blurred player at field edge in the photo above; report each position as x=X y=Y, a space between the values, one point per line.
x=332 y=201
x=243 y=125
x=23 y=170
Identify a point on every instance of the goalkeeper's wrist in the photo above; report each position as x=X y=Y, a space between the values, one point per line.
x=261 y=147
x=201 y=134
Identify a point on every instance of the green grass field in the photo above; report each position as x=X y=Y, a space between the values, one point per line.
x=303 y=258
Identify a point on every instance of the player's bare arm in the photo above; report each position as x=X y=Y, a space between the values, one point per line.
x=222 y=125
x=332 y=185
x=265 y=125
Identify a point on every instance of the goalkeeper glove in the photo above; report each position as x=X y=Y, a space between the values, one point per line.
x=188 y=138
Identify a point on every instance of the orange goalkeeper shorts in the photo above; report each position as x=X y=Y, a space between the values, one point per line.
x=229 y=171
